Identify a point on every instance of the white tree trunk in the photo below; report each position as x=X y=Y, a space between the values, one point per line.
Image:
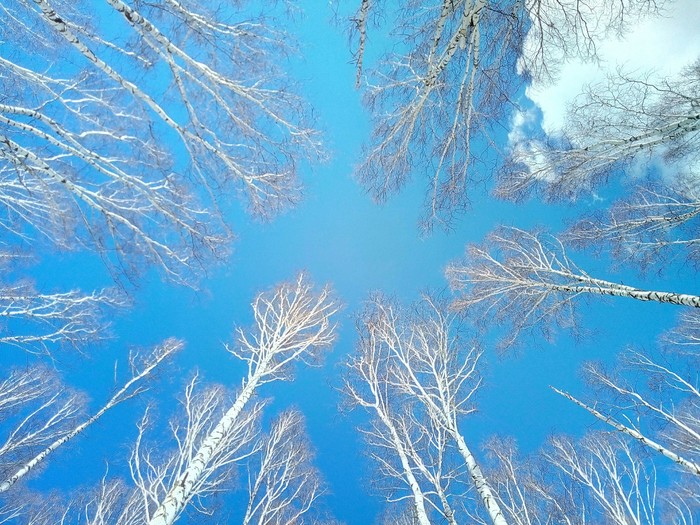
x=182 y=490
x=634 y=293
x=122 y=395
x=418 y=497
x=482 y=487
x=686 y=464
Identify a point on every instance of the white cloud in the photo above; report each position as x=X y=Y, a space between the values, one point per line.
x=664 y=44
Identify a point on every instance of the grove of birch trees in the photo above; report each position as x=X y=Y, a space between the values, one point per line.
x=154 y=182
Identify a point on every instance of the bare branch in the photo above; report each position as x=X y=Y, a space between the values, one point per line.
x=527 y=280
x=129 y=151
x=653 y=226
x=292 y=324
x=438 y=96
x=38 y=323
x=283 y=484
x=614 y=125
x=141 y=369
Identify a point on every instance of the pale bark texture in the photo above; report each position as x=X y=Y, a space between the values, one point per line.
x=527 y=281
x=452 y=75
x=141 y=368
x=292 y=323
x=125 y=127
x=36 y=409
x=652 y=403
x=367 y=387
x=155 y=469
x=613 y=127
x=635 y=434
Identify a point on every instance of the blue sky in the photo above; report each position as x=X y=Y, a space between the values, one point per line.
x=339 y=236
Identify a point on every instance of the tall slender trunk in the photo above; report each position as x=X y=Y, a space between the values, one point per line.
x=121 y=395
x=182 y=489
x=418 y=497
x=482 y=487
x=609 y=288
x=686 y=464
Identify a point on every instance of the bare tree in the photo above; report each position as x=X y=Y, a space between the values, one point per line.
x=654 y=225
x=368 y=387
x=55 y=415
x=292 y=323
x=155 y=470
x=528 y=281
x=614 y=125
x=422 y=369
x=436 y=100
x=153 y=467
x=525 y=489
x=433 y=367
x=671 y=404
x=40 y=322
x=618 y=486
x=110 y=502
x=131 y=145
x=283 y=484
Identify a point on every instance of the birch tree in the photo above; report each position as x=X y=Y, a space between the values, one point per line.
x=437 y=98
x=655 y=225
x=53 y=422
x=155 y=470
x=36 y=409
x=671 y=404
x=617 y=485
x=369 y=388
x=123 y=128
x=292 y=323
x=621 y=124
x=283 y=484
x=528 y=281
x=432 y=367
x=428 y=380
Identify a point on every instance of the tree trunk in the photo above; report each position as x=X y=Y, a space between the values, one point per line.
x=688 y=465
x=418 y=497
x=634 y=293
x=482 y=487
x=182 y=489
x=168 y=348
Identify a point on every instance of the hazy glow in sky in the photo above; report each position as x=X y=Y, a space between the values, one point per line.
x=664 y=45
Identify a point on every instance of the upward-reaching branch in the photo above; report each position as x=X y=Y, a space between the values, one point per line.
x=140 y=369
x=283 y=484
x=430 y=367
x=292 y=323
x=437 y=95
